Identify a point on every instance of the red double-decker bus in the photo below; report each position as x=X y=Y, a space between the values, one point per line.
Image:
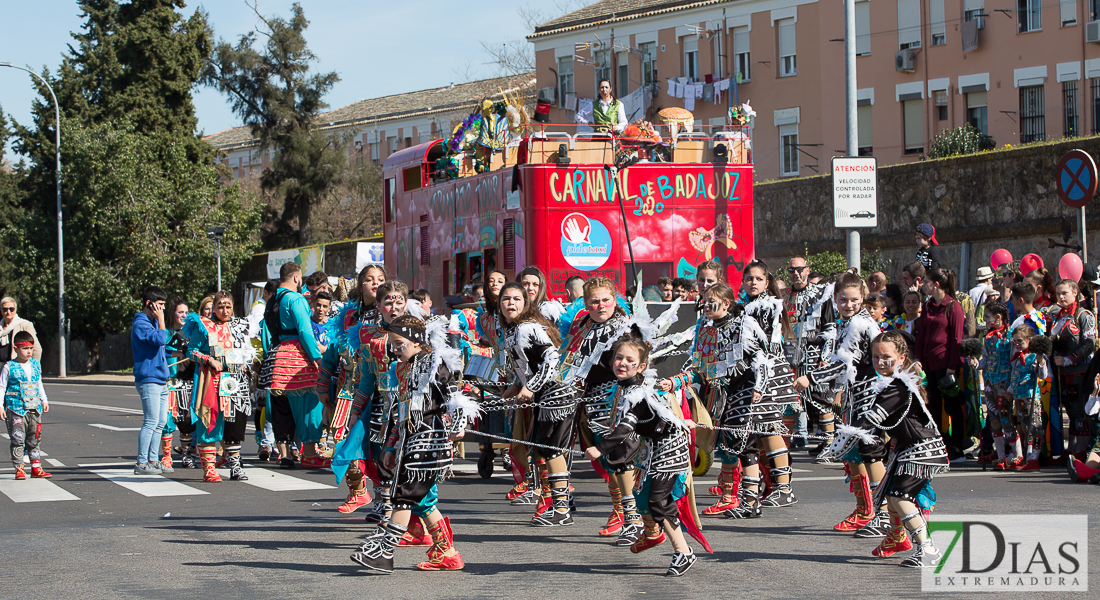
x=555 y=202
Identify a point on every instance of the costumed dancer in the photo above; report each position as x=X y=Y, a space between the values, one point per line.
x=418 y=445
x=181 y=376
x=531 y=343
x=849 y=369
x=586 y=363
x=1028 y=368
x=729 y=361
x=361 y=453
x=1073 y=335
x=898 y=408
x=291 y=368
x=808 y=310
x=645 y=424
x=489 y=336
x=222 y=395
x=762 y=302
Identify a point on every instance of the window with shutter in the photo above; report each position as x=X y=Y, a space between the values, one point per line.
x=1069 y=13
x=863 y=118
x=742 y=54
x=977 y=113
x=863 y=28
x=509 y=244
x=1029 y=15
x=971 y=11
x=787 y=48
x=691 y=58
x=913 y=122
x=565 y=78
x=939 y=26
x=908 y=24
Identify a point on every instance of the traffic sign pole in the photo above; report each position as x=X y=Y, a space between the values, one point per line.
x=850 y=110
x=1082 y=234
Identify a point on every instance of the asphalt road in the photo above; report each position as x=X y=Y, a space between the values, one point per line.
x=92 y=532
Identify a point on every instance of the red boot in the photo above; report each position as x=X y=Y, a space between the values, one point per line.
x=517 y=490
x=442 y=541
x=37 y=472
x=614 y=524
x=895 y=542
x=166 y=448
x=863 y=513
x=727 y=501
x=416 y=536
x=1079 y=472
x=207 y=457
x=645 y=543
x=20 y=472
x=354 y=501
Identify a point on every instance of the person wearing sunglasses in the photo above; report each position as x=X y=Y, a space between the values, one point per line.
x=808 y=316
x=11 y=324
x=607 y=112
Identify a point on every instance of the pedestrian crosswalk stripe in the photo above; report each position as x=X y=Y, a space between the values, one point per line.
x=150 y=486
x=274 y=481
x=54 y=462
x=132 y=411
x=113 y=428
x=33 y=490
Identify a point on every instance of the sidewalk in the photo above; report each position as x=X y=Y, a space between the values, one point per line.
x=109 y=378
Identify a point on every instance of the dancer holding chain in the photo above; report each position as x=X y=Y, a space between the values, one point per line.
x=898 y=407
x=849 y=369
x=586 y=363
x=807 y=308
x=531 y=344
x=644 y=416
x=418 y=445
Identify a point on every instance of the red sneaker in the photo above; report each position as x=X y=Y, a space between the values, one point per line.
x=891 y=545
x=1015 y=464
x=517 y=490
x=854 y=521
x=38 y=473
x=20 y=472
x=315 y=462
x=614 y=525
x=645 y=543
x=354 y=501
x=443 y=563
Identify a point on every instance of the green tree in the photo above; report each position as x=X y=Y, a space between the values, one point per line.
x=273 y=92
x=966 y=139
x=141 y=219
x=832 y=262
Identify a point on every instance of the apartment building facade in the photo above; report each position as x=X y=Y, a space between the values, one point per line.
x=378 y=127
x=1019 y=70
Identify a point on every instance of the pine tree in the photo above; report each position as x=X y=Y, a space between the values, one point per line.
x=273 y=92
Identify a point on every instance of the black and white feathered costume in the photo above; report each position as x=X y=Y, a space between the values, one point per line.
x=897 y=408
x=812 y=313
x=532 y=362
x=768 y=312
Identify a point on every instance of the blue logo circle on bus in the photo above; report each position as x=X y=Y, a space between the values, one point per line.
x=585 y=242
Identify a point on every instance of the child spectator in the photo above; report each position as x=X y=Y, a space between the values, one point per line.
x=24 y=402
x=912 y=306
x=1023 y=298
x=996 y=369
x=682 y=289
x=894 y=298
x=1023 y=390
x=322 y=303
x=1043 y=283
x=877 y=307
x=927 y=253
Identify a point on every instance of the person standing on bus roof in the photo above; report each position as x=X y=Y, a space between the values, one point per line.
x=608 y=113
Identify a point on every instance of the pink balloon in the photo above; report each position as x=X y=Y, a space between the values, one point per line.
x=1070 y=267
x=1000 y=257
x=1030 y=262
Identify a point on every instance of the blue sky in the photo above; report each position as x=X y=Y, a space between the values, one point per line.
x=377 y=47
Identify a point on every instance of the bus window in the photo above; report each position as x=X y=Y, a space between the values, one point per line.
x=414 y=178
x=388 y=192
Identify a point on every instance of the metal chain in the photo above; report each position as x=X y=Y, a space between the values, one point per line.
x=525 y=443
x=747 y=430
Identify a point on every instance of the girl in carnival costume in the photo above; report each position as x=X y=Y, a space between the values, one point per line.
x=530 y=343
x=646 y=425
x=429 y=413
x=898 y=408
x=849 y=369
x=222 y=399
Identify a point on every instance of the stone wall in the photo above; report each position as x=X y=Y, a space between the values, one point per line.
x=1000 y=199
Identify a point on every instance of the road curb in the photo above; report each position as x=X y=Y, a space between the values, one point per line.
x=82 y=381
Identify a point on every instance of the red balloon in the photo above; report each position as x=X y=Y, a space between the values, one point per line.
x=1070 y=267
x=1000 y=257
x=1030 y=262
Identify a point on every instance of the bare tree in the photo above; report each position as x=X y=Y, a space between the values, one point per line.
x=514 y=57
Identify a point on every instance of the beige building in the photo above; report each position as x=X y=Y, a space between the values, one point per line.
x=1019 y=70
x=379 y=127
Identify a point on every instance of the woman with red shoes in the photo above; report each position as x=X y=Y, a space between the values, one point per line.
x=222 y=397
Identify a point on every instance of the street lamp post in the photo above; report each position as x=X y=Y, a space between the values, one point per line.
x=60 y=239
x=216 y=233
